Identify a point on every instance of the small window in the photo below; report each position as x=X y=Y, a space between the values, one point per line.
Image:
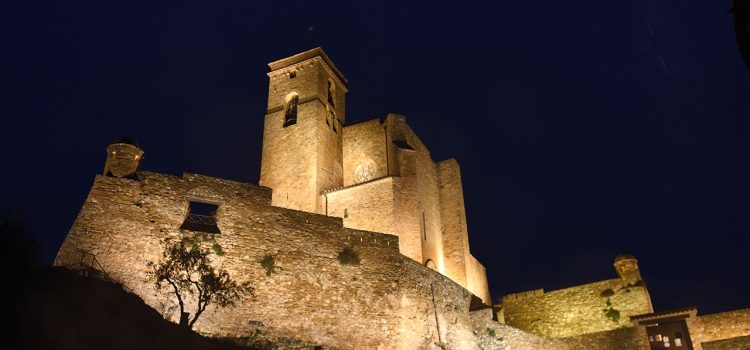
x=201 y=217
x=424 y=227
x=292 y=74
x=290 y=110
x=331 y=89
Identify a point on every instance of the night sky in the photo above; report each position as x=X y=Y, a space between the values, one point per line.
x=583 y=128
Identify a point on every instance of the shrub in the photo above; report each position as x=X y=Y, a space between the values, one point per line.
x=607 y=293
x=491 y=332
x=348 y=256
x=269 y=264
x=612 y=314
x=217 y=249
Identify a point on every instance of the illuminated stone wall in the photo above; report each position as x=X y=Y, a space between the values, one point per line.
x=392 y=185
x=477 y=279
x=577 y=310
x=726 y=330
x=453 y=216
x=319 y=166
x=631 y=338
x=301 y=160
x=493 y=335
x=720 y=326
x=365 y=156
x=434 y=310
x=371 y=186
x=367 y=206
x=388 y=301
x=739 y=343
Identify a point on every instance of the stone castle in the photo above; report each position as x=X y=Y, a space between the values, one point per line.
x=372 y=188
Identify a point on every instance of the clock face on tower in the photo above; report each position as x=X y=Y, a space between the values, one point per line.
x=365 y=171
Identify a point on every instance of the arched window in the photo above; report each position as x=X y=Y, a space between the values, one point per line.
x=290 y=109
x=430 y=264
x=331 y=89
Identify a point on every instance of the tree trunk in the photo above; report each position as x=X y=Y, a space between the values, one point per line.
x=184 y=317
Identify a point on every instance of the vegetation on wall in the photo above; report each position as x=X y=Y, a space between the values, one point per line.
x=196 y=240
x=186 y=269
x=269 y=264
x=491 y=332
x=348 y=256
x=610 y=312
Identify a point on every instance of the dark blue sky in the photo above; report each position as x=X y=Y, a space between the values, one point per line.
x=584 y=128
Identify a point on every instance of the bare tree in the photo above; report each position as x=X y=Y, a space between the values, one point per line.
x=186 y=269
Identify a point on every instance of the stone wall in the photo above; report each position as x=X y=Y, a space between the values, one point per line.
x=424 y=199
x=366 y=206
x=364 y=149
x=477 y=279
x=419 y=201
x=575 y=311
x=493 y=335
x=453 y=216
x=631 y=338
x=388 y=301
x=739 y=343
x=720 y=326
x=727 y=330
x=316 y=165
x=301 y=160
x=460 y=265
x=435 y=310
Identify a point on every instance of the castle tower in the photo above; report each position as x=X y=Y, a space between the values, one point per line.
x=302 y=135
x=627 y=268
x=123 y=158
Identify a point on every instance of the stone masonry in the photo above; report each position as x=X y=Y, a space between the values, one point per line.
x=371 y=187
x=377 y=176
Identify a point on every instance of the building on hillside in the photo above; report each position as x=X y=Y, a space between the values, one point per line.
x=594 y=307
x=617 y=314
x=376 y=175
x=370 y=188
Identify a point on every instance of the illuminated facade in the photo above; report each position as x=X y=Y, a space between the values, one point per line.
x=375 y=175
x=371 y=188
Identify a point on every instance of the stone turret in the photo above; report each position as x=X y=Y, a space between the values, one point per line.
x=123 y=158
x=627 y=268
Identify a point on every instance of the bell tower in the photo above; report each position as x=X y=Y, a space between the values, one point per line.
x=302 y=134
